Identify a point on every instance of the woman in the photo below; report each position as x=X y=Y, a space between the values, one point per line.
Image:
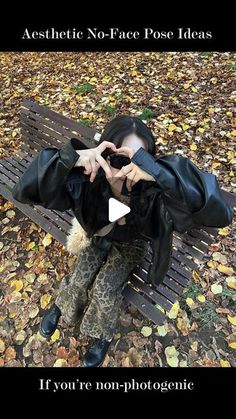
x=164 y=194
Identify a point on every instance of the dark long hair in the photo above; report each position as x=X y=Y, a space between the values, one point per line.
x=118 y=128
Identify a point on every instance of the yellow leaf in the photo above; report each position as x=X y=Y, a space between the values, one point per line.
x=2 y=346
x=189 y=302
x=193 y=147
x=161 y=330
x=215 y=165
x=225 y=269
x=216 y=289
x=224 y=363
x=186 y=86
x=173 y=313
x=231 y=282
x=10 y=354
x=201 y=130
x=232 y=345
x=130 y=99
x=184 y=126
x=18 y=284
x=232 y=320
x=172 y=127
x=146 y=331
x=106 y=79
x=223 y=231
x=230 y=155
x=229 y=114
x=60 y=362
x=93 y=80
x=172 y=356
x=33 y=312
x=201 y=298
x=233 y=133
x=30 y=245
x=55 y=336
x=47 y=239
x=196 y=277
x=211 y=111
x=13 y=134
x=134 y=73
x=20 y=337
x=10 y=214
x=194 y=89
x=30 y=277
x=45 y=300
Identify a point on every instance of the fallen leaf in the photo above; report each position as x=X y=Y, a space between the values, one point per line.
x=172 y=356
x=201 y=298
x=224 y=363
x=47 y=240
x=20 y=337
x=232 y=345
x=45 y=300
x=162 y=330
x=216 y=289
x=146 y=331
x=196 y=276
x=10 y=354
x=60 y=363
x=223 y=231
x=231 y=282
x=173 y=313
x=55 y=336
x=232 y=320
x=2 y=346
x=18 y=284
x=225 y=269
x=10 y=214
x=33 y=312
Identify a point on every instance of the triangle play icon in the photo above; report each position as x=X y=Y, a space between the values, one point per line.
x=116 y=209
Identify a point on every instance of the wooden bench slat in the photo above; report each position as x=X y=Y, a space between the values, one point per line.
x=187 y=249
x=85 y=131
x=143 y=305
x=178 y=277
x=173 y=285
x=151 y=293
x=181 y=258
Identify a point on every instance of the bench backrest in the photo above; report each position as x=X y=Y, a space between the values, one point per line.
x=41 y=127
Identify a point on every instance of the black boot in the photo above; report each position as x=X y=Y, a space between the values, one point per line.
x=95 y=356
x=49 y=322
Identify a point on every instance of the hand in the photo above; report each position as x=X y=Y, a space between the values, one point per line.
x=91 y=160
x=132 y=172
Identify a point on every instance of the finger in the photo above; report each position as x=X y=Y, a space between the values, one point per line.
x=127 y=150
x=130 y=180
x=94 y=170
x=104 y=165
x=88 y=168
x=106 y=144
x=125 y=170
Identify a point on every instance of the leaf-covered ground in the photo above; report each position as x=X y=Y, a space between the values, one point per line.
x=188 y=100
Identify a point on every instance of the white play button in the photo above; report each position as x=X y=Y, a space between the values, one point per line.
x=117 y=210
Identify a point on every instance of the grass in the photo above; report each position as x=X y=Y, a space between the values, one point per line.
x=231 y=67
x=84 y=88
x=111 y=110
x=208 y=315
x=85 y=122
x=147 y=114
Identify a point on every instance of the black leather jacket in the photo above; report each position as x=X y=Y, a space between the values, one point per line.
x=183 y=196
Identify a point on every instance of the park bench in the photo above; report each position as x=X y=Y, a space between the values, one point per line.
x=41 y=128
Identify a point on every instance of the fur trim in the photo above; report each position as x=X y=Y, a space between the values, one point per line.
x=77 y=238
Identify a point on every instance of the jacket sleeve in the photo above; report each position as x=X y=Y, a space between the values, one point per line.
x=187 y=187
x=44 y=181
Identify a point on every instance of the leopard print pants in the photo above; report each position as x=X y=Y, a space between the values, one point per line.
x=93 y=292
